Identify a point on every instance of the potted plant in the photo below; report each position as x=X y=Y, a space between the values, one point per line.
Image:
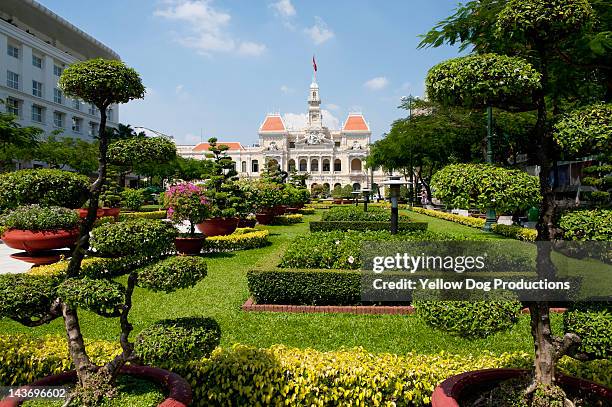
x=296 y=198
x=269 y=196
x=222 y=192
x=187 y=202
x=111 y=196
x=247 y=206
x=337 y=195
x=34 y=228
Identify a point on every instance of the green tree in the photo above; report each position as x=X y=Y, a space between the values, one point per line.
x=222 y=190
x=529 y=71
x=77 y=154
x=101 y=83
x=14 y=139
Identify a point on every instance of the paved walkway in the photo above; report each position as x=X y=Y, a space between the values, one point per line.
x=9 y=265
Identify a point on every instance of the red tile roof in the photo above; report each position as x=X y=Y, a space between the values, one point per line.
x=272 y=123
x=231 y=144
x=355 y=122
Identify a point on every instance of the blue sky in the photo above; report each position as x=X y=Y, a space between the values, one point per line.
x=216 y=67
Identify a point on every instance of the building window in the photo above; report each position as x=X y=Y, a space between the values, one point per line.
x=109 y=115
x=255 y=166
x=37 y=61
x=76 y=104
x=57 y=95
x=93 y=129
x=57 y=70
x=336 y=144
x=58 y=119
x=243 y=166
x=13 y=107
x=356 y=164
x=337 y=165
x=37 y=113
x=92 y=110
x=356 y=186
x=77 y=124
x=37 y=89
x=291 y=165
x=326 y=165
x=292 y=144
x=12 y=80
x=13 y=51
x=314 y=165
x=303 y=164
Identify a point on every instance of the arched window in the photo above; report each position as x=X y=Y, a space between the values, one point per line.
x=314 y=165
x=326 y=165
x=337 y=165
x=255 y=166
x=273 y=165
x=303 y=164
x=291 y=165
x=356 y=186
x=337 y=185
x=326 y=186
x=356 y=164
x=243 y=166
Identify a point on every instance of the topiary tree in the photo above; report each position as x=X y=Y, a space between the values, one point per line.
x=528 y=77
x=222 y=190
x=483 y=186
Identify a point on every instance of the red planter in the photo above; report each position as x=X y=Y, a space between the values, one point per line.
x=83 y=212
x=189 y=245
x=218 y=226
x=279 y=209
x=293 y=210
x=33 y=242
x=114 y=212
x=450 y=391
x=265 y=218
x=179 y=391
x=247 y=223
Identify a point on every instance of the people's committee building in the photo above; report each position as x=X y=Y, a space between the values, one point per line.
x=35 y=47
x=331 y=156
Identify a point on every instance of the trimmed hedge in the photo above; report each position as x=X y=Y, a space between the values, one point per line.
x=95 y=267
x=593 y=323
x=285 y=220
x=308 y=211
x=142 y=215
x=328 y=226
x=354 y=213
x=305 y=287
x=142 y=236
x=516 y=232
x=177 y=340
x=172 y=273
x=239 y=240
x=40 y=218
x=593 y=224
x=44 y=187
x=247 y=376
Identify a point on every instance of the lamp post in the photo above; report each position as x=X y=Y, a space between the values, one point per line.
x=491 y=216
x=355 y=195
x=394 y=182
x=366 y=198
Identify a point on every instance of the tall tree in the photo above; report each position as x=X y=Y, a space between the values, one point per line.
x=14 y=138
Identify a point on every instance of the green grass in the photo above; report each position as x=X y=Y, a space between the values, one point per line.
x=221 y=294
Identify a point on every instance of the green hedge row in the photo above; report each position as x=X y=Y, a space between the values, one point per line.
x=143 y=215
x=251 y=239
x=290 y=219
x=305 y=287
x=279 y=376
x=328 y=226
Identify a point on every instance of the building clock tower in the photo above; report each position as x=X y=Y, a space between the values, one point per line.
x=314 y=107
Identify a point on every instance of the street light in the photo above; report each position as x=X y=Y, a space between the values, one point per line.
x=366 y=198
x=394 y=182
x=491 y=216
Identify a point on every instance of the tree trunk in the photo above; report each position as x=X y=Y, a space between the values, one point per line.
x=545 y=350
x=75 y=340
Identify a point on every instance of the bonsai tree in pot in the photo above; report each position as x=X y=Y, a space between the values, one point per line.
x=521 y=64
x=110 y=198
x=247 y=206
x=187 y=202
x=222 y=192
x=269 y=196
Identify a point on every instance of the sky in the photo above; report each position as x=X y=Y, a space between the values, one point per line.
x=215 y=68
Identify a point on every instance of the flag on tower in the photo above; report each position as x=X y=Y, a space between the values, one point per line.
x=314 y=63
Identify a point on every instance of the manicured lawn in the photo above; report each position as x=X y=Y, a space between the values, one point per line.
x=221 y=294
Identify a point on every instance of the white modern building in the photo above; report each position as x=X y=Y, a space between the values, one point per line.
x=331 y=156
x=35 y=47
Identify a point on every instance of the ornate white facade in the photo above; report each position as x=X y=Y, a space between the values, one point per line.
x=331 y=156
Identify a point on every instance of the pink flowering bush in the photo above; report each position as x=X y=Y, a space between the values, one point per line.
x=187 y=202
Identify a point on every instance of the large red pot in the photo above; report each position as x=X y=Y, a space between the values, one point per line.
x=265 y=218
x=114 y=212
x=33 y=242
x=247 y=223
x=293 y=210
x=218 y=226
x=179 y=391
x=83 y=212
x=189 y=245
x=451 y=390
x=279 y=209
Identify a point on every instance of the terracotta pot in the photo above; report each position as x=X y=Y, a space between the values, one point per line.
x=83 y=212
x=41 y=258
x=450 y=391
x=218 y=226
x=279 y=209
x=293 y=210
x=337 y=201
x=179 y=391
x=265 y=218
x=189 y=245
x=114 y=212
x=247 y=223
x=33 y=242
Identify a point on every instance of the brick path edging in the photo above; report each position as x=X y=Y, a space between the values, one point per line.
x=250 y=306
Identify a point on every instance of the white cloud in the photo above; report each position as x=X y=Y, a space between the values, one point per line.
x=284 y=8
x=377 y=83
x=204 y=28
x=332 y=106
x=319 y=32
x=286 y=89
x=179 y=89
x=300 y=120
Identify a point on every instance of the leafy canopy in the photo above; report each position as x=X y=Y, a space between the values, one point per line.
x=586 y=131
